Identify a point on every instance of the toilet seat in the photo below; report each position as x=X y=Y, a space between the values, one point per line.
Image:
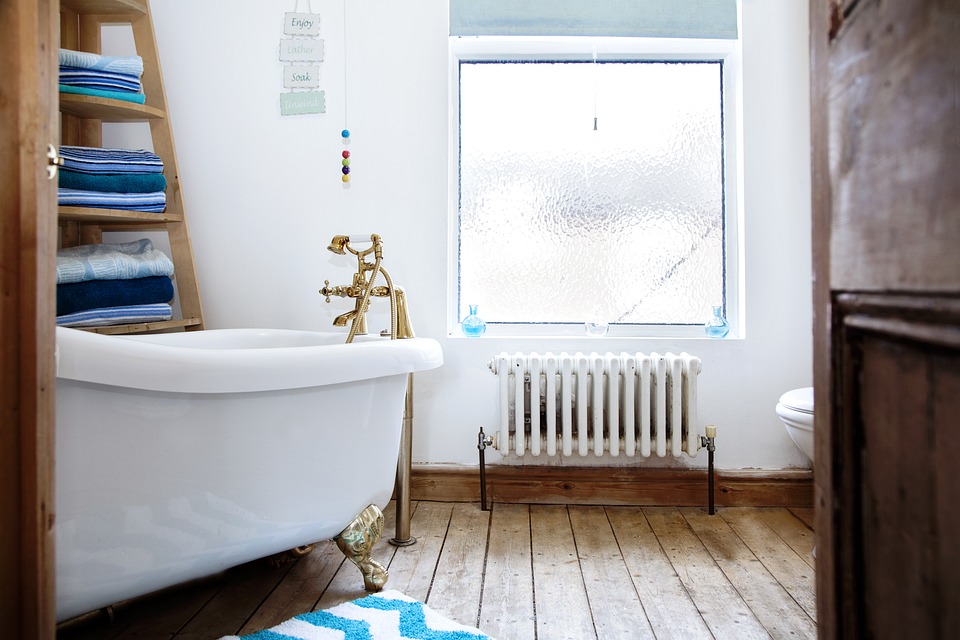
x=799 y=400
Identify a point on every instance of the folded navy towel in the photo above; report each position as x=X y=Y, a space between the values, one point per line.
x=111 y=161
x=95 y=294
x=113 y=183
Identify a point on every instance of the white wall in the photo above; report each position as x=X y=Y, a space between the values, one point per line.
x=264 y=197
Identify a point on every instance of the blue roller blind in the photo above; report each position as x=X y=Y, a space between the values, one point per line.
x=634 y=18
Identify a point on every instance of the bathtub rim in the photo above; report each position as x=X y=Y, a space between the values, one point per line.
x=137 y=362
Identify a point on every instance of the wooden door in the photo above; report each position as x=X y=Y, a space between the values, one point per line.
x=28 y=118
x=886 y=196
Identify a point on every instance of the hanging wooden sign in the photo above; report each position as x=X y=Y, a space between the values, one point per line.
x=301 y=24
x=302 y=102
x=299 y=50
x=298 y=76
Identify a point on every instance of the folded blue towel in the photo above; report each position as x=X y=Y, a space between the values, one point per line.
x=110 y=161
x=77 y=77
x=138 y=98
x=117 y=315
x=131 y=65
x=153 y=202
x=137 y=259
x=96 y=294
x=118 y=183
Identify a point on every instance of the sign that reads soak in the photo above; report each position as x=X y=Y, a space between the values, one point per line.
x=299 y=50
x=296 y=76
x=301 y=24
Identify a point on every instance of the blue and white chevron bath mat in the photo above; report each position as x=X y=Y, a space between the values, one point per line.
x=388 y=615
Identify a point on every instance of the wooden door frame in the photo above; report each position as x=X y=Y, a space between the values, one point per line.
x=822 y=316
x=28 y=46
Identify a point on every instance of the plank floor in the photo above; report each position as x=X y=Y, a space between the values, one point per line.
x=522 y=572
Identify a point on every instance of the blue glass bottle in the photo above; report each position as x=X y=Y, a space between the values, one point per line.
x=472 y=326
x=717 y=326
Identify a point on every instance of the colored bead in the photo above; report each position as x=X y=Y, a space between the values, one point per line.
x=346 y=178
x=345 y=133
x=346 y=170
x=345 y=154
x=345 y=162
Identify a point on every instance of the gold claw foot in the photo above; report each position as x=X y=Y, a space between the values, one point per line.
x=356 y=542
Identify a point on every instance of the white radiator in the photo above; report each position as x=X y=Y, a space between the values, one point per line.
x=630 y=403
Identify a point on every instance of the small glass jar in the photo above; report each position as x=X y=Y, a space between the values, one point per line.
x=596 y=327
x=473 y=326
x=717 y=326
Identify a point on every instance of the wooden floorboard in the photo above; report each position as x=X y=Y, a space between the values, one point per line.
x=671 y=612
x=723 y=609
x=506 y=609
x=769 y=601
x=457 y=583
x=522 y=572
x=562 y=607
x=615 y=605
x=412 y=568
x=779 y=558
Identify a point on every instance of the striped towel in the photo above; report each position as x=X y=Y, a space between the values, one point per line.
x=96 y=160
x=153 y=202
x=137 y=259
x=117 y=315
x=130 y=65
x=388 y=615
x=99 y=79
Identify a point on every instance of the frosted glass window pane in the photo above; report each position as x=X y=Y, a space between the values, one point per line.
x=591 y=190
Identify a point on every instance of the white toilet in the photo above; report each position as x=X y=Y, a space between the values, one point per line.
x=796 y=411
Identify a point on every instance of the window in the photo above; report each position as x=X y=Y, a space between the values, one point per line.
x=595 y=183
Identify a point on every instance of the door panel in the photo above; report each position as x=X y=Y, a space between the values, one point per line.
x=885 y=114
x=28 y=46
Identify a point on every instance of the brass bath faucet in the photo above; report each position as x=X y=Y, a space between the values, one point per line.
x=363 y=288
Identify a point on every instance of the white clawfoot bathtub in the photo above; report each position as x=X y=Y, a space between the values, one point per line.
x=180 y=455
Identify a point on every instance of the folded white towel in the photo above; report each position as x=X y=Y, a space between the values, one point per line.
x=137 y=259
x=130 y=65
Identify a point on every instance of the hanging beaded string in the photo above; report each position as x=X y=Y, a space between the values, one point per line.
x=345 y=134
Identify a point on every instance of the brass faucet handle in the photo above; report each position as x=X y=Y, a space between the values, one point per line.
x=326 y=291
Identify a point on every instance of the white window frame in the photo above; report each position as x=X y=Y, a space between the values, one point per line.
x=511 y=48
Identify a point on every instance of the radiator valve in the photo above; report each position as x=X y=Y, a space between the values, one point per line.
x=708 y=440
x=484 y=441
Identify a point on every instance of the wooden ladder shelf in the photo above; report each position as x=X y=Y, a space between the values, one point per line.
x=81 y=125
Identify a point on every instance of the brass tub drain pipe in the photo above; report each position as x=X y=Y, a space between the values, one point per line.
x=403 y=537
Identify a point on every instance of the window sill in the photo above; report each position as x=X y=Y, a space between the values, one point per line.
x=568 y=332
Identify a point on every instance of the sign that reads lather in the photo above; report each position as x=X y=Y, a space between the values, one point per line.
x=298 y=50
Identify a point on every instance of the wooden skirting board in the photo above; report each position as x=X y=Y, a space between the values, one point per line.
x=613 y=486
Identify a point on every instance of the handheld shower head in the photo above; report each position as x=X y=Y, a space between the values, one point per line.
x=341 y=244
x=338 y=245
